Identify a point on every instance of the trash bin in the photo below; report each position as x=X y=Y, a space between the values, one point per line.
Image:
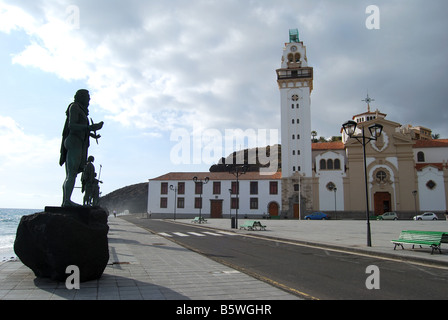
x=232 y=222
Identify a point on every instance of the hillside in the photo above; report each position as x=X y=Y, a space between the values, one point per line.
x=133 y=198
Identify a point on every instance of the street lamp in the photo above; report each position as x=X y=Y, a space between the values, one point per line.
x=375 y=133
x=414 y=193
x=237 y=170
x=230 y=203
x=172 y=188
x=201 y=182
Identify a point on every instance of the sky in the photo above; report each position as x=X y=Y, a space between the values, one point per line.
x=170 y=79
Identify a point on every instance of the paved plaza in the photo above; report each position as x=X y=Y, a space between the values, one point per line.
x=146 y=266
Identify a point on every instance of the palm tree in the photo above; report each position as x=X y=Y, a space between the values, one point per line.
x=314 y=135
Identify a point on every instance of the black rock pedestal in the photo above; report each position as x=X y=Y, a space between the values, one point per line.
x=50 y=241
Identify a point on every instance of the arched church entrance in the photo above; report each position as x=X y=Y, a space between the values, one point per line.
x=382 y=203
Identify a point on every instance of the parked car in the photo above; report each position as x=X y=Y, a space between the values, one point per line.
x=388 y=216
x=317 y=216
x=426 y=216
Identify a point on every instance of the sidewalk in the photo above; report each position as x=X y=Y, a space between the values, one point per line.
x=347 y=235
x=143 y=266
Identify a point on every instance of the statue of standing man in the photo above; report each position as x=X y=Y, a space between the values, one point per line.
x=75 y=142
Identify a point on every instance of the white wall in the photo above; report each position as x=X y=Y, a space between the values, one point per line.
x=264 y=198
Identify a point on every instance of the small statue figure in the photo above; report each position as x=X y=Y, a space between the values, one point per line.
x=75 y=142
x=87 y=181
x=96 y=192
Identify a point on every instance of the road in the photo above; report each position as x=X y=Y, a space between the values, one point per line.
x=311 y=273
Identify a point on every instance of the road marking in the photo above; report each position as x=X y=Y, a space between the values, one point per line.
x=212 y=234
x=227 y=233
x=180 y=234
x=163 y=234
x=196 y=234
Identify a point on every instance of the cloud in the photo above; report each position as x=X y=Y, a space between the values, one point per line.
x=28 y=166
x=159 y=65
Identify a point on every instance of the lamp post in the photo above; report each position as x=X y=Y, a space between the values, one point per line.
x=201 y=182
x=172 y=188
x=375 y=133
x=230 y=203
x=237 y=170
x=414 y=193
x=334 y=190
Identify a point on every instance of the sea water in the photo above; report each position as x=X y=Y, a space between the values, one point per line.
x=9 y=221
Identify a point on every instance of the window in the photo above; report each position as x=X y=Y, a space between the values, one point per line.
x=254 y=187
x=420 y=157
x=331 y=186
x=181 y=188
x=235 y=187
x=337 y=164
x=164 y=188
x=163 y=203
x=198 y=188
x=235 y=203
x=296 y=187
x=273 y=187
x=330 y=164
x=323 y=164
x=198 y=203
x=431 y=185
x=254 y=203
x=381 y=176
x=217 y=187
x=181 y=203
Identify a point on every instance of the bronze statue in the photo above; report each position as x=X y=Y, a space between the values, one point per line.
x=87 y=181
x=75 y=142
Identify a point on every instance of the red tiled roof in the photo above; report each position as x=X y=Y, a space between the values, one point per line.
x=338 y=145
x=185 y=176
x=421 y=166
x=434 y=143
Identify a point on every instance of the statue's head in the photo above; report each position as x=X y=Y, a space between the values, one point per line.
x=83 y=97
x=91 y=159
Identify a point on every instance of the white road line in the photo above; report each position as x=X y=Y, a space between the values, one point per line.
x=180 y=234
x=227 y=233
x=165 y=234
x=196 y=234
x=212 y=234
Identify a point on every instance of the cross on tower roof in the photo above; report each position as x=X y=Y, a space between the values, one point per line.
x=368 y=100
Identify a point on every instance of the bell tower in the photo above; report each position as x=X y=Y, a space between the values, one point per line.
x=295 y=82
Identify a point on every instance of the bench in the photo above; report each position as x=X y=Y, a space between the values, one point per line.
x=199 y=220
x=253 y=225
x=426 y=238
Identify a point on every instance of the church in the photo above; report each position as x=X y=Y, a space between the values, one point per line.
x=407 y=170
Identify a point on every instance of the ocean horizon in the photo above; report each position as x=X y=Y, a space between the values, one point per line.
x=9 y=221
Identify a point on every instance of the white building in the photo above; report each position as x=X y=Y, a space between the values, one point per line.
x=177 y=193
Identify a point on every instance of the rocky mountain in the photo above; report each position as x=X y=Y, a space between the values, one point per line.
x=133 y=198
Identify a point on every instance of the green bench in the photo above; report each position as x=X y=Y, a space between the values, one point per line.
x=422 y=238
x=199 y=220
x=253 y=225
